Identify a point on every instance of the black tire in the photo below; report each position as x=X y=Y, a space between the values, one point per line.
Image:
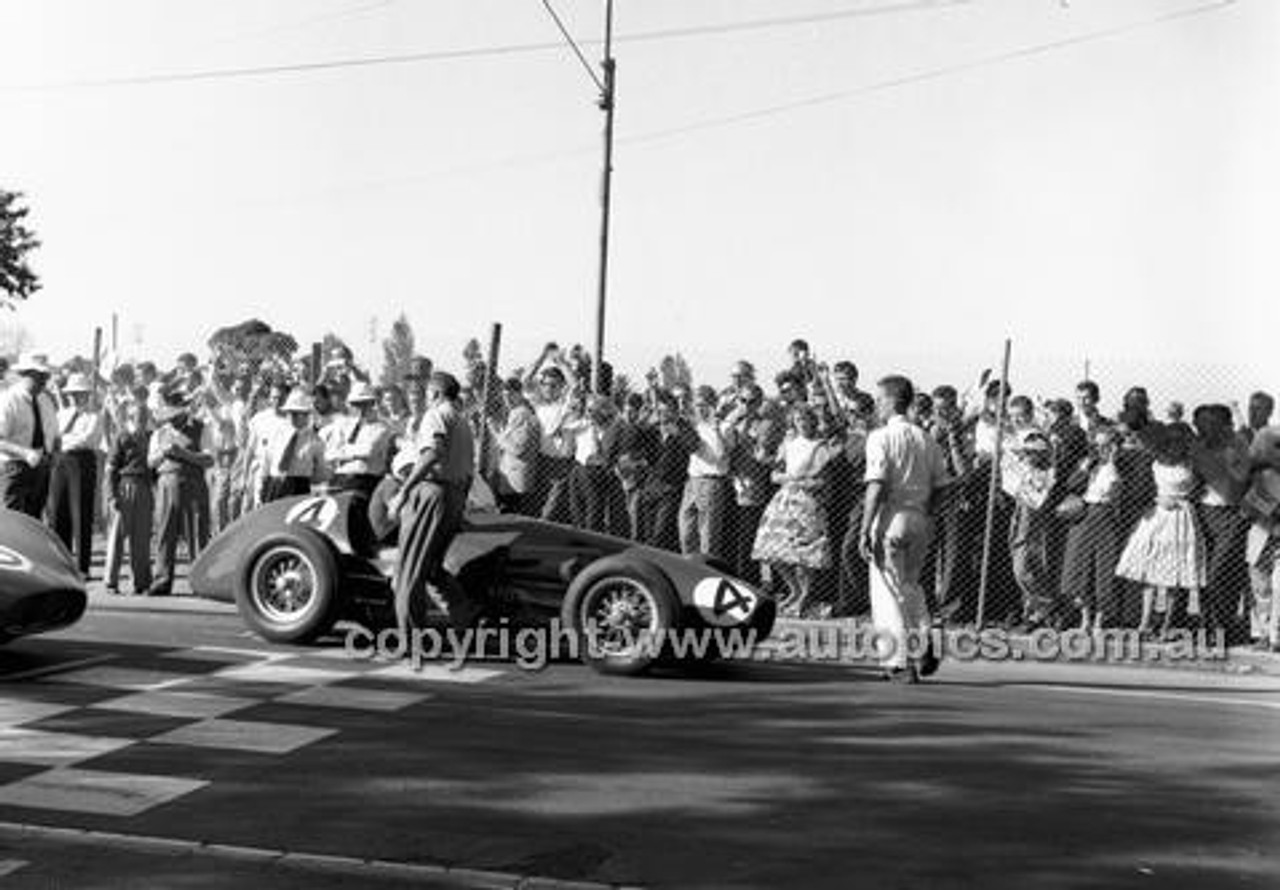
x=620 y=609
x=287 y=585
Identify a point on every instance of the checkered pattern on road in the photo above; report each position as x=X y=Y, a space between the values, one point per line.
x=194 y=700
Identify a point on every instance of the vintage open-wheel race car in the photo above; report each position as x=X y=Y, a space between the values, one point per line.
x=296 y=566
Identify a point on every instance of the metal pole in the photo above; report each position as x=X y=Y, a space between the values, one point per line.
x=606 y=191
x=993 y=487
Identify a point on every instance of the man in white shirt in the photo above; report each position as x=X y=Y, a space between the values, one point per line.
x=553 y=404
x=28 y=437
x=596 y=499
x=362 y=454
x=905 y=468
x=74 y=479
x=708 y=492
x=293 y=455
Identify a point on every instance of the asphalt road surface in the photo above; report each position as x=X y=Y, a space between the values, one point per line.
x=158 y=744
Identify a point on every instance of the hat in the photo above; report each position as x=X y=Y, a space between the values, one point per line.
x=1033 y=441
x=361 y=392
x=176 y=396
x=298 y=402
x=77 y=382
x=33 y=363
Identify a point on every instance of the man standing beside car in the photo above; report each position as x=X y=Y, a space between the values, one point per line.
x=431 y=505
x=905 y=470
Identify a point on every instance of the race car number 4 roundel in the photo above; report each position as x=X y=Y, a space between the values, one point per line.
x=724 y=603
x=13 y=561
x=318 y=512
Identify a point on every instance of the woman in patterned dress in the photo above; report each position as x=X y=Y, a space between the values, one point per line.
x=1166 y=553
x=792 y=538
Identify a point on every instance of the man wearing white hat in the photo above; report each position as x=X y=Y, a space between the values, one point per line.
x=363 y=453
x=293 y=456
x=75 y=470
x=28 y=437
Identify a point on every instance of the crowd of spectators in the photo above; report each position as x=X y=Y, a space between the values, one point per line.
x=1097 y=521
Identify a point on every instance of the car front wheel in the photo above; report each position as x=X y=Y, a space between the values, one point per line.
x=287 y=586
x=621 y=611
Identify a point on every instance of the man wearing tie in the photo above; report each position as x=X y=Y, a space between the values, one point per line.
x=28 y=438
x=363 y=454
x=293 y=455
x=75 y=470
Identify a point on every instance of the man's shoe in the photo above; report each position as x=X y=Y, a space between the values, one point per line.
x=157 y=590
x=906 y=676
x=929 y=662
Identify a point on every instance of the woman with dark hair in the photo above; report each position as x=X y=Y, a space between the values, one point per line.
x=1165 y=552
x=792 y=539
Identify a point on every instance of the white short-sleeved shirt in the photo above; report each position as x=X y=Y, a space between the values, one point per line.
x=17 y=420
x=907 y=461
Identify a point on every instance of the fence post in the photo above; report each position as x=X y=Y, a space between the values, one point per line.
x=486 y=393
x=993 y=487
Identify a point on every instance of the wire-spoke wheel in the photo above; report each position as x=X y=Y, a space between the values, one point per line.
x=617 y=613
x=286 y=588
x=283 y=583
x=620 y=610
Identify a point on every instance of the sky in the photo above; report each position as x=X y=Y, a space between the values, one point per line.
x=906 y=184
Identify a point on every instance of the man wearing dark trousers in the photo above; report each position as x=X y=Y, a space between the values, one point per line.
x=28 y=438
x=431 y=505
x=179 y=454
x=74 y=481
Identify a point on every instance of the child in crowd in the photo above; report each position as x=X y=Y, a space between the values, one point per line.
x=1165 y=552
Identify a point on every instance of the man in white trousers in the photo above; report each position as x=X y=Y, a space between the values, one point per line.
x=905 y=470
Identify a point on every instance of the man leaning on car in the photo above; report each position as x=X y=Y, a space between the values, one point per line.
x=431 y=503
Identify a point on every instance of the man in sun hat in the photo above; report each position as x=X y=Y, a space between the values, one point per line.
x=293 y=457
x=363 y=453
x=75 y=469
x=28 y=437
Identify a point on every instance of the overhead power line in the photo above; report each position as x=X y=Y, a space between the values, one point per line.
x=712 y=123
x=479 y=52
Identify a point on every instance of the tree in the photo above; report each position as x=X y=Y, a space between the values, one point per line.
x=251 y=347
x=397 y=352
x=674 y=371
x=17 y=281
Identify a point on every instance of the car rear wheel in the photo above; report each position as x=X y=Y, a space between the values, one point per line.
x=287 y=587
x=621 y=611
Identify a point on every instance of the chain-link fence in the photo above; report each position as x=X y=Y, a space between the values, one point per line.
x=1051 y=515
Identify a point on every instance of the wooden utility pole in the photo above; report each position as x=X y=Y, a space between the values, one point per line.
x=607 y=96
x=486 y=394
